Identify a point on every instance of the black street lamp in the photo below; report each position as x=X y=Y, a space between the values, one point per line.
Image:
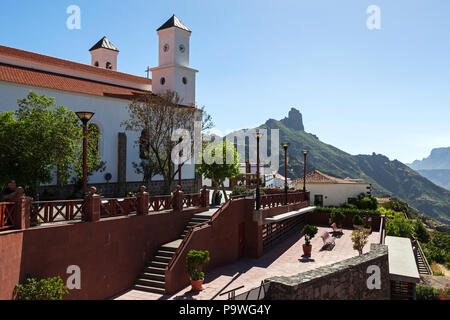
x=305 y=153
x=85 y=117
x=258 y=136
x=285 y=146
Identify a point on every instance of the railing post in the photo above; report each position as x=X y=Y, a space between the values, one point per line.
x=22 y=210
x=204 y=198
x=142 y=202
x=93 y=203
x=178 y=200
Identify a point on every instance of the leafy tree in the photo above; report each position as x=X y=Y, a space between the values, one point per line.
x=157 y=118
x=438 y=249
x=364 y=201
x=421 y=232
x=219 y=171
x=194 y=263
x=399 y=226
x=360 y=237
x=41 y=140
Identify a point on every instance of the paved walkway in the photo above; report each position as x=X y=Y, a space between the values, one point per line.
x=284 y=259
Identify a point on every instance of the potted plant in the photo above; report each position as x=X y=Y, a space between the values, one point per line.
x=357 y=221
x=309 y=232
x=194 y=263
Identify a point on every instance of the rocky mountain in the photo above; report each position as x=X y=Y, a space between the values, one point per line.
x=386 y=176
x=438 y=159
x=436 y=167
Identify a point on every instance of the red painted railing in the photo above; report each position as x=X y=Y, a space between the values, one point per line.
x=192 y=200
x=188 y=235
x=276 y=200
x=55 y=211
x=7 y=215
x=158 y=203
x=117 y=207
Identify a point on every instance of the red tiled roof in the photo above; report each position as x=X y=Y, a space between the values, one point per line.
x=319 y=177
x=70 y=65
x=44 y=79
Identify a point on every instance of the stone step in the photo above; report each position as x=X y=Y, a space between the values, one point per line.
x=157 y=264
x=199 y=219
x=163 y=253
x=153 y=276
x=156 y=270
x=151 y=283
x=149 y=289
x=165 y=259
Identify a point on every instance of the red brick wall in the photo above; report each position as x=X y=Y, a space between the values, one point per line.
x=111 y=252
x=221 y=239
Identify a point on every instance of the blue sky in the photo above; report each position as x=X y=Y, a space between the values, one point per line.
x=385 y=91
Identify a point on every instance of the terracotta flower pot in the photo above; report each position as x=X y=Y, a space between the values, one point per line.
x=197 y=285
x=307 y=250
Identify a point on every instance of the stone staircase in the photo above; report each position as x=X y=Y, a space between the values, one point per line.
x=422 y=263
x=152 y=279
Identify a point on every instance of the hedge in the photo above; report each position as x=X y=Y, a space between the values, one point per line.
x=360 y=212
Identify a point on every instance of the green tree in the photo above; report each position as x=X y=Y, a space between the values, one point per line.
x=399 y=226
x=40 y=141
x=220 y=162
x=44 y=289
x=360 y=237
x=421 y=232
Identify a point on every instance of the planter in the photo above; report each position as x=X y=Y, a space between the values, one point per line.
x=307 y=250
x=197 y=285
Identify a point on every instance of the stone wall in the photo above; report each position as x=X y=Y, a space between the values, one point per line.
x=345 y=280
x=114 y=190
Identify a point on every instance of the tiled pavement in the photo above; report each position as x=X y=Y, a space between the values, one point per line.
x=284 y=259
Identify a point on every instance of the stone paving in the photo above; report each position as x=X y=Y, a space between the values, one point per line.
x=285 y=259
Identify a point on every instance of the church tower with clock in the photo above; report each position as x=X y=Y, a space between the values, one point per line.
x=173 y=71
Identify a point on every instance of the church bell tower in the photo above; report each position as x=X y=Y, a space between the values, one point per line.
x=173 y=71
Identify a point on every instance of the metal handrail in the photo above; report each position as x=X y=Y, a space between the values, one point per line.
x=231 y=293
x=424 y=258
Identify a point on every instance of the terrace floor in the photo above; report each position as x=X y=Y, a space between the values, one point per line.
x=285 y=259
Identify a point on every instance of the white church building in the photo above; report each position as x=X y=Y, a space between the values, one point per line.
x=101 y=88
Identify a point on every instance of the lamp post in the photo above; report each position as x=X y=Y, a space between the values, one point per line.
x=285 y=146
x=305 y=153
x=258 y=136
x=85 y=117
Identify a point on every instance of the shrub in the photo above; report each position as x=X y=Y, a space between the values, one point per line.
x=347 y=211
x=45 y=289
x=426 y=293
x=241 y=191
x=309 y=232
x=360 y=238
x=337 y=217
x=357 y=220
x=194 y=263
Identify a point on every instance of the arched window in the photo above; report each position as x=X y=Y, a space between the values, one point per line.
x=96 y=63
x=109 y=66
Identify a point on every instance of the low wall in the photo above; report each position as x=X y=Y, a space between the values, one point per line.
x=110 y=252
x=345 y=280
x=322 y=219
x=221 y=239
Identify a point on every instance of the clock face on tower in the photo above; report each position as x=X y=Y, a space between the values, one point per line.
x=166 y=47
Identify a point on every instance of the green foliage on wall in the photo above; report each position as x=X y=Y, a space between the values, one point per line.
x=44 y=289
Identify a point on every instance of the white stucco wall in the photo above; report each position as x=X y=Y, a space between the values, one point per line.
x=336 y=194
x=109 y=113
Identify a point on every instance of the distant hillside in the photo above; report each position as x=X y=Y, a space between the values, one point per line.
x=438 y=159
x=386 y=177
x=441 y=177
x=436 y=167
